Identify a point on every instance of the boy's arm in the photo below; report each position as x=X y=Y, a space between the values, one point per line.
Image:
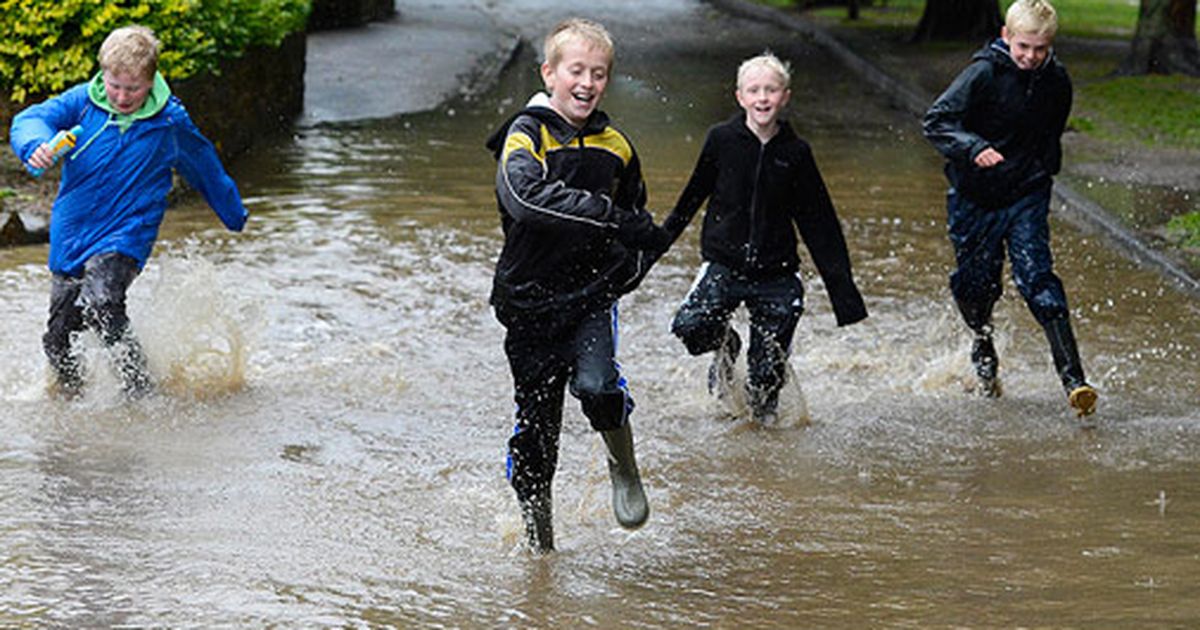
x=944 y=124
x=528 y=196
x=818 y=224
x=197 y=161
x=635 y=224
x=36 y=124
x=698 y=188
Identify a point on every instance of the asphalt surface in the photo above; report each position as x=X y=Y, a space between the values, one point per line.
x=432 y=51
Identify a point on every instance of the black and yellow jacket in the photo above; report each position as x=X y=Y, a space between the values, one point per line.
x=562 y=193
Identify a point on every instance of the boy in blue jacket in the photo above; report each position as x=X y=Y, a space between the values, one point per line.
x=576 y=237
x=762 y=187
x=999 y=125
x=113 y=195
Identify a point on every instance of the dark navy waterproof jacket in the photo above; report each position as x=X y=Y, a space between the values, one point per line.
x=1020 y=113
x=114 y=185
x=561 y=192
x=759 y=196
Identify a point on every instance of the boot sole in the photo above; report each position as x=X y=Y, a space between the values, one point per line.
x=1083 y=399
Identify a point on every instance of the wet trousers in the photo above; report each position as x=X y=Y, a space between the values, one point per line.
x=544 y=363
x=980 y=235
x=775 y=304
x=94 y=300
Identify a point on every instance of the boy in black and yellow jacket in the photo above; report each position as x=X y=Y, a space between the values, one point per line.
x=576 y=238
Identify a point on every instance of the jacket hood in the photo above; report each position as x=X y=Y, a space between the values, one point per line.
x=160 y=93
x=539 y=108
x=997 y=52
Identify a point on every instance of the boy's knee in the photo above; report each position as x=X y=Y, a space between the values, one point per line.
x=699 y=334
x=606 y=411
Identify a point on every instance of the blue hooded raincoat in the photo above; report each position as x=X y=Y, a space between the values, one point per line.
x=115 y=182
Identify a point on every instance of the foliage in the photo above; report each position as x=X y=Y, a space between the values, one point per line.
x=48 y=45
x=1154 y=110
x=1076 y=18
x=1187 y=228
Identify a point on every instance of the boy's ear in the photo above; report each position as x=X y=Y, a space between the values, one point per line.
x=547 y=74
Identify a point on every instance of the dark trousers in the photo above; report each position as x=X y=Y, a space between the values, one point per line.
x=775 y=306
x=94 y=300
x=544 y=363
x=980 y=237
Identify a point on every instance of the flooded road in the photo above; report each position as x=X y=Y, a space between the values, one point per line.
x=328 y=449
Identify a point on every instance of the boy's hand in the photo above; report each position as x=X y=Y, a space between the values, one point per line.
x=988 y=158
x=636 y=229
x=42 y=157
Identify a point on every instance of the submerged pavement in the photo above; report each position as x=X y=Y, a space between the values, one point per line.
x=432 y=51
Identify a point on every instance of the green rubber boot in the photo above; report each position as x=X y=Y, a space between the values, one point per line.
x=629 y=500
x=537 y=512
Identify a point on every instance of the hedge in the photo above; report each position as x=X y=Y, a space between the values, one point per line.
x=47 y=45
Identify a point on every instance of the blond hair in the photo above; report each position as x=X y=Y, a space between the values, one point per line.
x=765 y=61
x=130 y=50
x=1032 y=17
x=577 y=29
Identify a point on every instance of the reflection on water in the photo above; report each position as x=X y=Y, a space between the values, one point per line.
x=328 y=448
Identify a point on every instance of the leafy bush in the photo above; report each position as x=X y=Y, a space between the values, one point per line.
x=48 y=45
x=1186 y=227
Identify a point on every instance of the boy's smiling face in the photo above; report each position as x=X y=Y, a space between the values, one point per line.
x=577 y=81
x=762 y=94
x=1028 y=50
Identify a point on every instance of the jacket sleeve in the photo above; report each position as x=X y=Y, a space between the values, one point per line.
x=1053 y=159
x=37 y=124
x=818 y=224
x=944 y=124
x=527 y=196
x=198 y=162
x=699 y=187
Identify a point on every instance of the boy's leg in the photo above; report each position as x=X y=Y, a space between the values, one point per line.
x=597 y=382
x=539 y=376
x=775 y=308
x=702 y=324
x=106 y=279
x=66 y=318
x=1033 y=273
x=978 y=236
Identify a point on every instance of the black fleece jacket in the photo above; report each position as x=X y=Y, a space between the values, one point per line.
x=1020 y=113
x=563 y=193
x=759 y=195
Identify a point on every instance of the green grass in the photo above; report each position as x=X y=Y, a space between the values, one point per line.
x=1076 y=18
x=1152 y=110
x=1186 y=227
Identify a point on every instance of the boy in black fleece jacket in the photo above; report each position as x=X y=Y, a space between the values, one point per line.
x=762 y=185
x=999 y=125
x=576 y=238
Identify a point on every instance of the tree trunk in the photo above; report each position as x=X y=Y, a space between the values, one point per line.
x=1165 y=40
x=958 y=20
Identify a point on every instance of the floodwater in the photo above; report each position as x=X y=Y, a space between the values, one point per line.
x=328 y=446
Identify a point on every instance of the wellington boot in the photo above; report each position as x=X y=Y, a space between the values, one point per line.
x=537 y=512
x=629 y=499
x=1081 y=396
x=720 y=372
x=983 y=357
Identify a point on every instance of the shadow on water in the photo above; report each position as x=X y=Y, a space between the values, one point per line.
x=348 y=469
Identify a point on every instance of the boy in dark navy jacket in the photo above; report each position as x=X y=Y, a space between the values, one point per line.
x=999 y=125
x=576 y=238
x=762 y=185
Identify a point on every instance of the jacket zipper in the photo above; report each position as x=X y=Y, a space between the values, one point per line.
x=762 y=149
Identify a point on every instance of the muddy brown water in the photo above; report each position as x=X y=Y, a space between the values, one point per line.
x=328 y=448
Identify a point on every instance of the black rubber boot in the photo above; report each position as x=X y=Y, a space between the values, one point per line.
x=537 y=512
x=131 y=364
x=987 y=364
x=68 y=377
x=629 y=499
x=1081 y=396
x=720 y=372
